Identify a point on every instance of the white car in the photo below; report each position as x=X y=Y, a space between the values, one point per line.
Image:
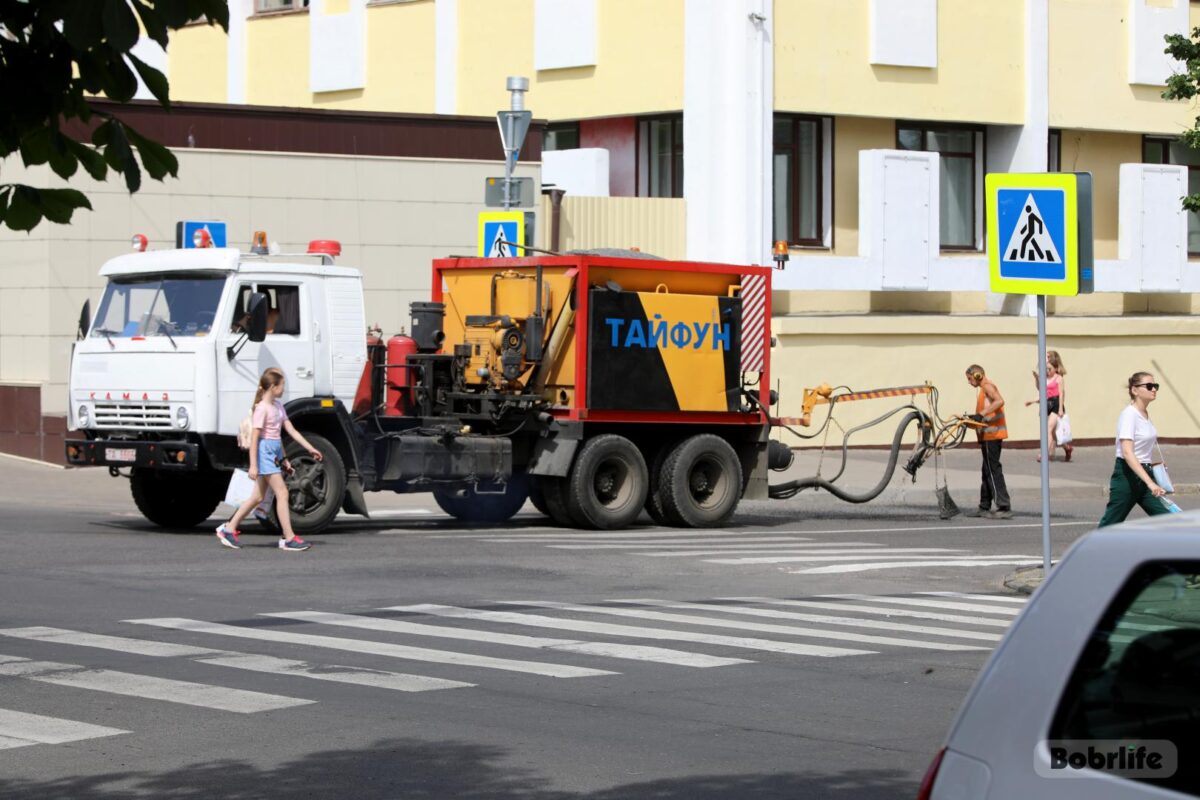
x=1094 y=693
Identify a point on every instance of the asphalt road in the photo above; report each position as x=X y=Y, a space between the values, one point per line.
x=137 y=662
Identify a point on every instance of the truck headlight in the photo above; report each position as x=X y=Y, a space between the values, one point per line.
x=181 y=418
x=84 y=417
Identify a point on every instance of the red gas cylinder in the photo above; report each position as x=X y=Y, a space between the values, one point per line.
x=367 y=396
x=399 y=377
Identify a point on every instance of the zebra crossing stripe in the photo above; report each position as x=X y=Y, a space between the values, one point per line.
x=631 y=631
x=913 y=601
x=990 y=598
x=945 y=562
x=18 y=729
x=877 y=610
x=225 y=658
x=375 y=648
x=148 y=687
x=719 y=546
x=141 y=647
x=378 y=679
x=557 y=533
x=780 y=555
x=608 y=649
x=787 y=630
x=848 y=622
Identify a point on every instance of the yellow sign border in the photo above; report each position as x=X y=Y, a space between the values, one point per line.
x=501 y=216
x=1068 y=183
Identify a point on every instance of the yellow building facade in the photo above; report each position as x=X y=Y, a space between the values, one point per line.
x=784 y=119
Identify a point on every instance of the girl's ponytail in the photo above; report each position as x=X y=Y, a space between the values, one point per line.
x=271 y=377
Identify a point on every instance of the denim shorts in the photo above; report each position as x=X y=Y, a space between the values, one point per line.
x=269 y=450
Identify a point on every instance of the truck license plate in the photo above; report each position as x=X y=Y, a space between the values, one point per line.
x=128 y=455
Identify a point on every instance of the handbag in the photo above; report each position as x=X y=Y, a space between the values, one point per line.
x=245 y=433
x=1159 y=473
x=1062 y=431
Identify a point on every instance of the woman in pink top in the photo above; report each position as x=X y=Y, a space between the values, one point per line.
x=1056 y=401
x=267 y=462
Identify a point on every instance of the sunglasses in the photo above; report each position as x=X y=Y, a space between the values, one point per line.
x=1151 y=386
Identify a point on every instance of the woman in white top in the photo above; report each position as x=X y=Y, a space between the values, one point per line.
x=1131 y=483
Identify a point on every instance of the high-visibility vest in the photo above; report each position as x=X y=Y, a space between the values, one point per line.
x=996 y=426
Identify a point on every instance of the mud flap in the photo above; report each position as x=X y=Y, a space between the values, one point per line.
x=354 y=501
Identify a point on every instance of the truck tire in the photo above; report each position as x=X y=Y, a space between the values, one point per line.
x=608 y=483
x=537 y=495
x=555 y=492
x=654 y=501
x=701 y=482
x=177 y=500
x=469 y=505
x=316 y=490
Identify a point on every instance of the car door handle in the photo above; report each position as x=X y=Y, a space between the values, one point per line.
x=303 y=372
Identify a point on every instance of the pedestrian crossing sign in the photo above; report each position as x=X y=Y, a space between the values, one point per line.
x=500 y=232
x=1039 y=233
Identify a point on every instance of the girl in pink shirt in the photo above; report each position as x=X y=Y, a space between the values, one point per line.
x=1056 y=401
x=267 y=462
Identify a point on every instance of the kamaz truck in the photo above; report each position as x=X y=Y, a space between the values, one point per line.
x=596 y=386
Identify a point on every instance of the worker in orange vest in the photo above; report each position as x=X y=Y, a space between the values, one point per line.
x=989 y=409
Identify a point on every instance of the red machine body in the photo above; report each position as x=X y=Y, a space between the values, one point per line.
x=368 y=396
x=399 y=376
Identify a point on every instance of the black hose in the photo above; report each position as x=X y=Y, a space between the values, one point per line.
x=783 y=491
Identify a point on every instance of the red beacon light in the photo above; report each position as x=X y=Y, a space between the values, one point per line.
x=202 y=238
x=139 y=242
x=325 y=247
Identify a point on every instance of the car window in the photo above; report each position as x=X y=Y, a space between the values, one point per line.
x=284 y=314
x=241 y=300
x=1138 y=677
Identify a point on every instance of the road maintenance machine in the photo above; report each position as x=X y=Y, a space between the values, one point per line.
x=594 y=385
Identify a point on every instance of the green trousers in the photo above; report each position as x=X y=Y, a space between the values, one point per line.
x=1126 y=490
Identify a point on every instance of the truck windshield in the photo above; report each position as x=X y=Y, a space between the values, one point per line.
x=172 y=306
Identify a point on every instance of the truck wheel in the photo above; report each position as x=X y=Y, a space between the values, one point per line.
x=608 y=483
x=555 y=492
x=177 y=500
x=654 y=501
x=701 y=482
x=469 y=505
x=316 y=490
x=537 y=495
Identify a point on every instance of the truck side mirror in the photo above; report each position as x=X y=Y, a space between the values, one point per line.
x=256 y=308
x=85 y=319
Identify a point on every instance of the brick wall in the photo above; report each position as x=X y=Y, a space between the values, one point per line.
x=24 y=430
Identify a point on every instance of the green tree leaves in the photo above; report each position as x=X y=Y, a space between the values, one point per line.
x=1184 y=86
x=54 y=56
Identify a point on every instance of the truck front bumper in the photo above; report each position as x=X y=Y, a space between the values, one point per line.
x=174 y=456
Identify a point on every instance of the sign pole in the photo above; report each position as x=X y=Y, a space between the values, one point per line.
x=508 y=164
x=1044 y=424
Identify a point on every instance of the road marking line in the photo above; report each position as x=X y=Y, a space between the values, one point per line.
x=636 y=632
x=840 y=568
x=719 y=546
x=141 y=647
x=772 y=555
x=878 y=610
x=712 y=622
x=991 y=598
x=821 y=618
x=375 y=648
x=883 y=555
x=379 y=679
x=18 y=729
x=632 y=652
x=558 y=533
x=149 y=687
x=919 y=603
x=391 y=512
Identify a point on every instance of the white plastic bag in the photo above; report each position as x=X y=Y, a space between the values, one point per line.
x=240 y=488
x=1062 y=431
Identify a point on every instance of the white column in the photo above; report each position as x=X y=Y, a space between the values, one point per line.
x=446 y=66
x=728 y=103
x=235 y=76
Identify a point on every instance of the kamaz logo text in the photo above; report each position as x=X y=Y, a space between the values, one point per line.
x=660 y=334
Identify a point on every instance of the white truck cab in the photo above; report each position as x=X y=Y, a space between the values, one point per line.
x=168 y=367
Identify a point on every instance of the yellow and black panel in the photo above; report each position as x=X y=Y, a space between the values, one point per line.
x=657 y=351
